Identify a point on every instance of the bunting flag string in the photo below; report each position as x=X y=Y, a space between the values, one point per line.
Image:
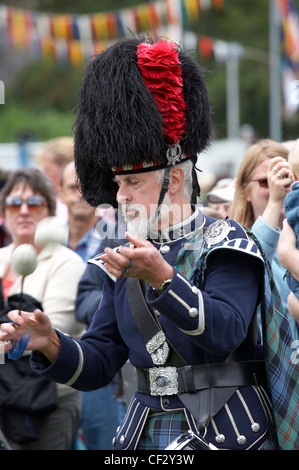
x=289 y=55
x=75 y=38
x=290 y=31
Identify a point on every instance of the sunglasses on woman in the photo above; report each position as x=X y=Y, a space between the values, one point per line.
x=263 y=182
x=14 y=203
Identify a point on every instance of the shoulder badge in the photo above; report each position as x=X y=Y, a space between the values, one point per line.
x=217 y=231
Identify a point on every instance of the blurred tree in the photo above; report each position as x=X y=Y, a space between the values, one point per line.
x=45 y=91
x=69 y=6
x=247 y=26
x=45 y=85
x=41 y=96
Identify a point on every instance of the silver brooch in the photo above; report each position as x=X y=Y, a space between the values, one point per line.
x=217 y=231
x=173 y=154
x=158 y=348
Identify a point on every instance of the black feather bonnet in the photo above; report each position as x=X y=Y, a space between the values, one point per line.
x=138 y=99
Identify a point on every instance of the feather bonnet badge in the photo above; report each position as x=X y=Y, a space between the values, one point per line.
x=143 y=105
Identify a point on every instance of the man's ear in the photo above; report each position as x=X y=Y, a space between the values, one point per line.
x=176 y=176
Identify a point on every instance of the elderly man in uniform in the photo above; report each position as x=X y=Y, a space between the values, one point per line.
x=179 y=299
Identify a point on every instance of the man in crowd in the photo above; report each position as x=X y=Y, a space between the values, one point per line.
x=180 y=298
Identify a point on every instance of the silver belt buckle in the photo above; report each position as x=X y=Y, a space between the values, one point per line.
x=163 y=381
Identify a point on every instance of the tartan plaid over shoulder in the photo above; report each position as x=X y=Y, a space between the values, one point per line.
x=280 y=349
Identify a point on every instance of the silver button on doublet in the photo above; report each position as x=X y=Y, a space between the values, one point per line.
x=241 y=440
x=165 y=402
x=193 y=312
x=220 y=438
x=255 y=427
x=164 y=249
x=195 y=290
x=122 y=439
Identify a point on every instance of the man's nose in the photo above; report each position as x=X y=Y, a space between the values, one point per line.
x=122 y=195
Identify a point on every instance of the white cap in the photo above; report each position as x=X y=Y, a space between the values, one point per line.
x=221 y=194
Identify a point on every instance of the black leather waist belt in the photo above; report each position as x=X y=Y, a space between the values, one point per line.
x=176 y=380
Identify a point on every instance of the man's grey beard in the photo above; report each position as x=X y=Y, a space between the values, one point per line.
x=144 y=224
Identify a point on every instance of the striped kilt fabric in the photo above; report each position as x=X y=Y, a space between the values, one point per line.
x=161 y=429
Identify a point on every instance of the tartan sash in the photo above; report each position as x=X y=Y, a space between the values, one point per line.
x=279 y=347
x=282 y=367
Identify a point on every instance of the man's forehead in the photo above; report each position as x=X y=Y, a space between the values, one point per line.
x=134 y=176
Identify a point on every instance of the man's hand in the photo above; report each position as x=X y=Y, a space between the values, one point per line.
x=140 y=260
x=42 y=336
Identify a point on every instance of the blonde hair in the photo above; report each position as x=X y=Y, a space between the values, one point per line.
x=241 y=209
x=294 y=160
x=60 y=149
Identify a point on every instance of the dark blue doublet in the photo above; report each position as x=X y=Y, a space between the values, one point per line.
x=205 y=323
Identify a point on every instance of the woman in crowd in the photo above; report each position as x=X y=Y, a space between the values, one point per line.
x=262 y=183
x=36 y=415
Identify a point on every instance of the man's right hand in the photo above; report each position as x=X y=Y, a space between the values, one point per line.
x=37 y=324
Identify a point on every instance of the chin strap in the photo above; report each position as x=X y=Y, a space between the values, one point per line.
x=164 y=189
x=165 y=186
x=195 y=187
